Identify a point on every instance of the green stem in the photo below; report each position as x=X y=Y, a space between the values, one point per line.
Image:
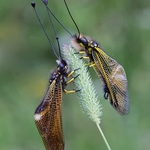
x=103 y=136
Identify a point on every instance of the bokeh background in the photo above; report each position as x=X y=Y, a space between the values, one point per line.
x=26 y=59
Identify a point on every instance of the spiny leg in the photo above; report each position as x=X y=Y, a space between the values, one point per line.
x=71 y=73
x=70 y=91
x=80 y=52
x=72 y=79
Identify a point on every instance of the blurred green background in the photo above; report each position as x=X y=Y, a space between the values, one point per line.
x=26 y=59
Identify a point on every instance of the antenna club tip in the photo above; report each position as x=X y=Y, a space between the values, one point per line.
x=33 y=4
x=45 y=2
x=57 y=37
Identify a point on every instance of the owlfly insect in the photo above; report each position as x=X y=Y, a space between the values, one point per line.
x=110 y=72
x=47 y=115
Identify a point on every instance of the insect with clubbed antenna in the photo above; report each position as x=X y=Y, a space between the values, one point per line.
x=110 y=72
x=47 y=115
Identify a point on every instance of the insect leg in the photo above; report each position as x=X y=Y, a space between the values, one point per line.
x=72 y=79
x=68 y=92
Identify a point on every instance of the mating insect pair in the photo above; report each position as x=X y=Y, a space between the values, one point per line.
x=112 y=75
x=110 y=72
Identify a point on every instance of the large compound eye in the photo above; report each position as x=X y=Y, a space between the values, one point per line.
x=62 y=66
x=84 y=41
x=95 y=44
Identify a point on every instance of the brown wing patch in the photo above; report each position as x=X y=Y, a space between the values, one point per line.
x=49 y=122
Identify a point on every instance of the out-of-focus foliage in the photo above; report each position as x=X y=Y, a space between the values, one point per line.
x=123 y=29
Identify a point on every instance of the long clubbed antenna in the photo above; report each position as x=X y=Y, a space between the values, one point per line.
x=49 y=10
x=72 y=18
x=33 y=5
x=54 y=29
